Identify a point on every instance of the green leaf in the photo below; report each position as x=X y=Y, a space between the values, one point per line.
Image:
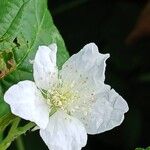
x=148 y=148
x=14 y=131
x=24 y=25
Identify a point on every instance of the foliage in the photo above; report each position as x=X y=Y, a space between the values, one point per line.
x=148 y=148
x=24 y=25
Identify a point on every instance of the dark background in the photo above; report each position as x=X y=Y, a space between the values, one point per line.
x=109 y=23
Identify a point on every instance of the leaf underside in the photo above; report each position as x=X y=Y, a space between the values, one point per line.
x=24 y=25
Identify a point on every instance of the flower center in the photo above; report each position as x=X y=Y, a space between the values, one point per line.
x=59 y=97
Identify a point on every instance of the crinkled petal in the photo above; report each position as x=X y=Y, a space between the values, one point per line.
x=120 y=107
x=101 y=111
x=97 y=106
x=64 y=133
x=44 y=66
x=86 y=63
x=26 y=101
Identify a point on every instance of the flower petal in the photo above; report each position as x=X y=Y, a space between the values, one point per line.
x=26 y=101
x=44 y=67
x=103 y=111
x=119 y=106
x=86 y=63
x=64 y=133
x=96 y=106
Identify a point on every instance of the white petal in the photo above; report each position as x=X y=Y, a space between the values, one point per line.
x=120 y=107
x=44 y=67
x=86 y=63
x=105 y=110
x=26 y=101
x=98 y=107
x=64 y=133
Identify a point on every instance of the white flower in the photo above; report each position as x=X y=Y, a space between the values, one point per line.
x=68 y=104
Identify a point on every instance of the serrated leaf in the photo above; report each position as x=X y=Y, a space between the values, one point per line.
x=24 y=25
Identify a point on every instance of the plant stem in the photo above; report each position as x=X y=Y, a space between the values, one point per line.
x=19 y=143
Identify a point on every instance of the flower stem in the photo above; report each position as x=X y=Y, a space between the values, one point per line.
x=19 y=143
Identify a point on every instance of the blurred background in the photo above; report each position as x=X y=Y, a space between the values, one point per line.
x=121 y=28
